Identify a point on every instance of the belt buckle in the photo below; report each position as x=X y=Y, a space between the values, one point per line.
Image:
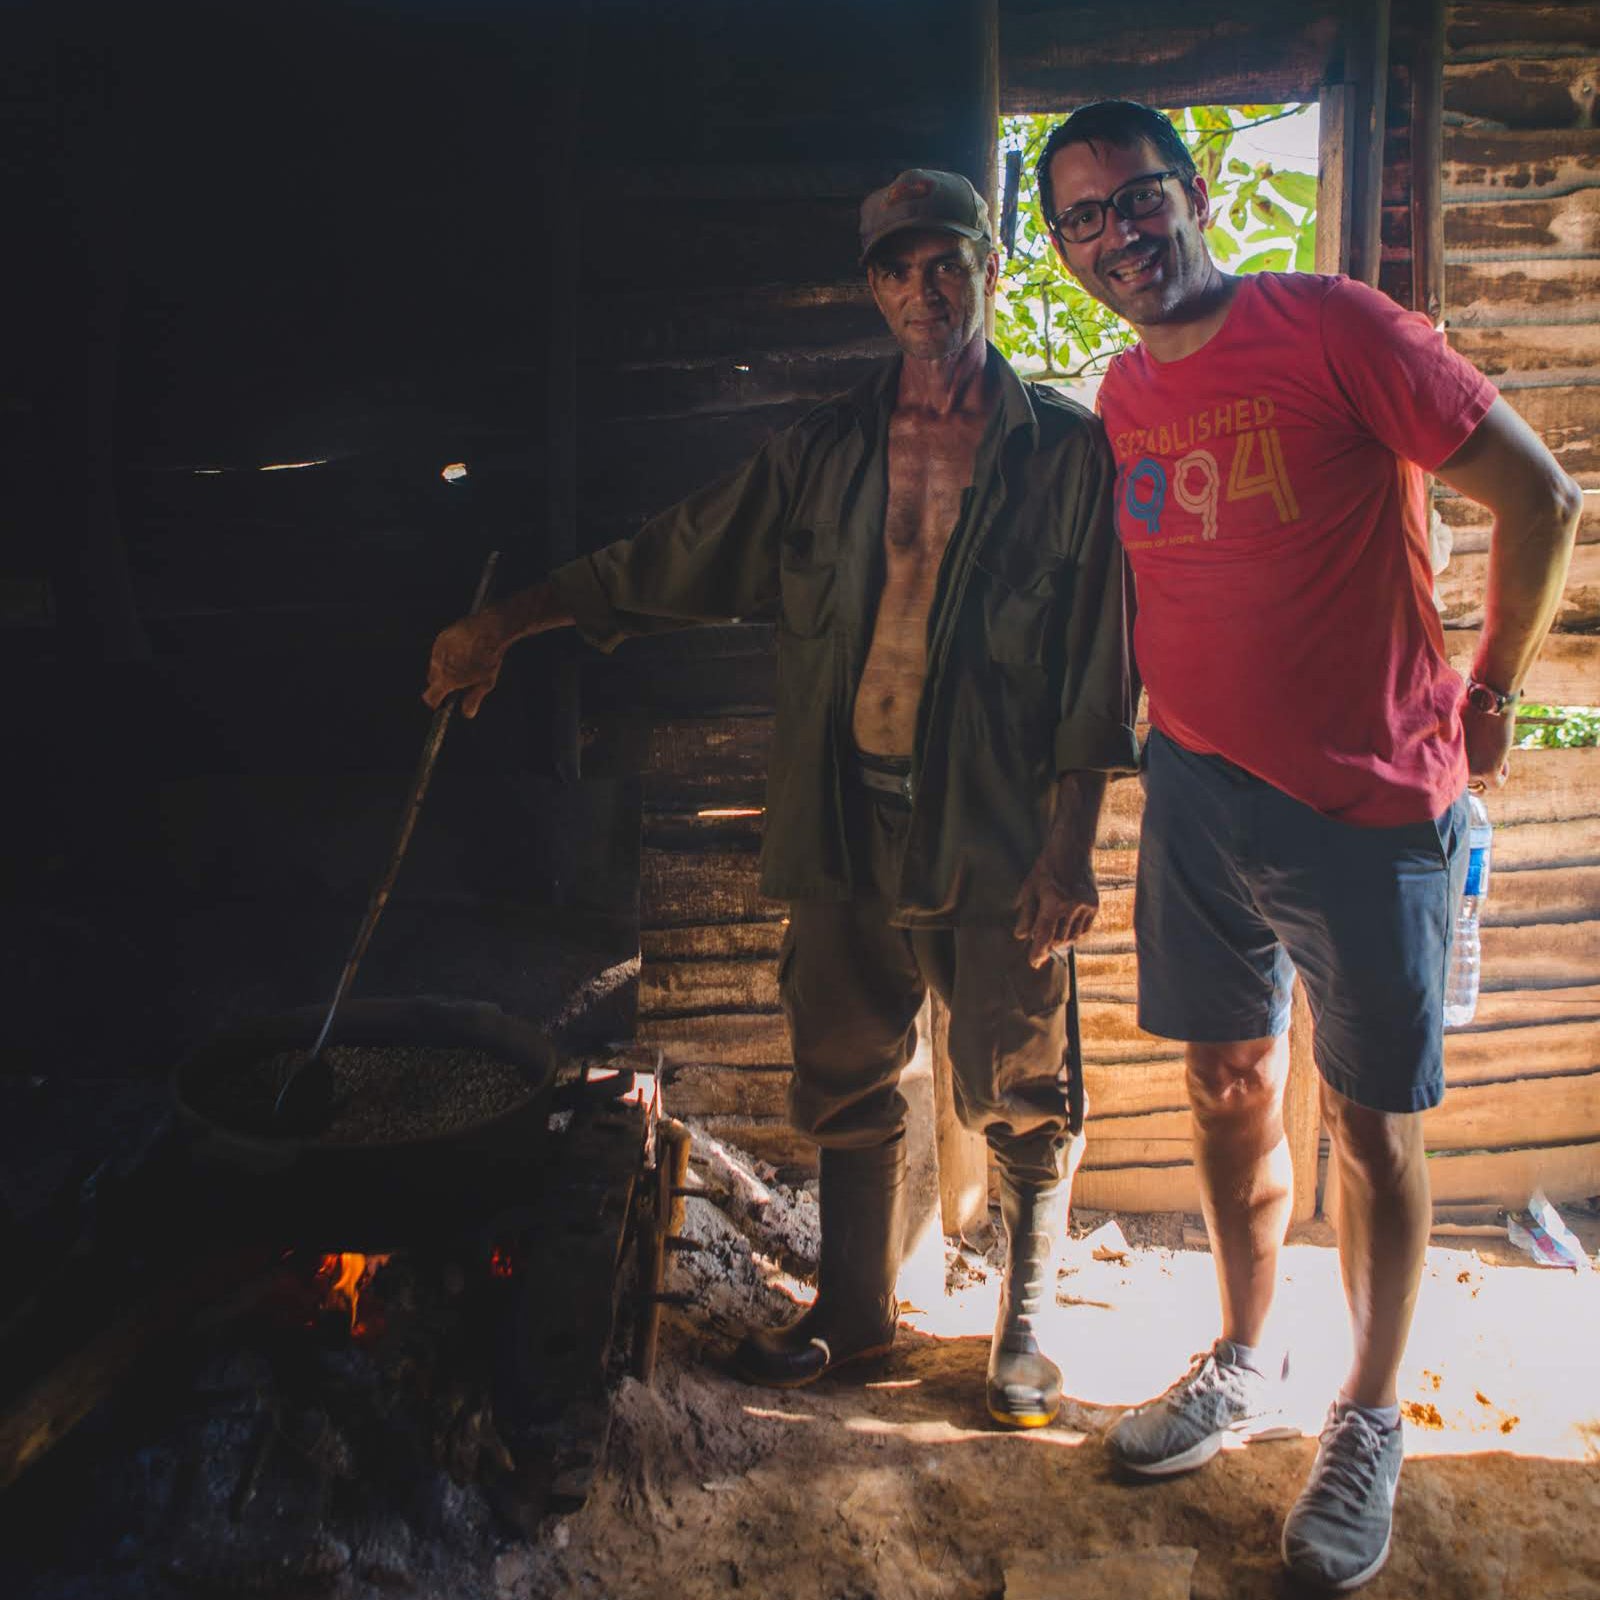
x=905 y=786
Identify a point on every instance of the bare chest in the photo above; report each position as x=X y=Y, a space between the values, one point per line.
x=930 y=468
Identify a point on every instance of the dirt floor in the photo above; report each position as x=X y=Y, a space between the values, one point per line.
x=890 y=1482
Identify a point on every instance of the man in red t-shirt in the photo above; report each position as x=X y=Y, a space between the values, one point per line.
x=1310 y=744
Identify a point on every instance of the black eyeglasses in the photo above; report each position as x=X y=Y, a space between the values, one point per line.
x=1084 y=220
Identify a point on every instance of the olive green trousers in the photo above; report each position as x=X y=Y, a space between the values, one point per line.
x=852 y=985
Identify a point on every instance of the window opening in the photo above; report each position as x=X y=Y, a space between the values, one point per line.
x=1260 y=164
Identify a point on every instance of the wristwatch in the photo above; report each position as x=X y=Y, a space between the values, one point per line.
x=1486 y=698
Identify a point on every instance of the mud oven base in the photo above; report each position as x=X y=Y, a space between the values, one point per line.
x=203 y=1399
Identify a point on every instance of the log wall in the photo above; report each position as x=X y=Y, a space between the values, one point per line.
x=314 y=237
x=730 y=304
x=353 y=236
x=1520 y=186
x=1522 y=287
x=1522 y=213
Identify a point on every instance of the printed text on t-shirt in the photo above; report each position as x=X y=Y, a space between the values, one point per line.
x=1196 y=479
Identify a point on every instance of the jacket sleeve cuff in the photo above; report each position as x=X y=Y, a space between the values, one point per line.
x=578 y=587
x=1095 y=744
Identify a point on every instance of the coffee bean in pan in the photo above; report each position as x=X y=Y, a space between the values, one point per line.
x=383 y=1094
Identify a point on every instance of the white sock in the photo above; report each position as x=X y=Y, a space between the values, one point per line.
x=1386 y=1418
x=1233 y=1354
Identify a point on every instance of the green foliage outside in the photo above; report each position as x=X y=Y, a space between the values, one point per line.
x=1264 y=221
x=1557 y=727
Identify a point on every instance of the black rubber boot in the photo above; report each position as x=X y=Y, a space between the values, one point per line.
x=854 y=1314
x=1024 y=1384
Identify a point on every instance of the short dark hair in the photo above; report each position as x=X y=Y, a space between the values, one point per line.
x=1123 y=123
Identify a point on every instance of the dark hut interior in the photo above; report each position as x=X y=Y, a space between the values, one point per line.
x=278 y=273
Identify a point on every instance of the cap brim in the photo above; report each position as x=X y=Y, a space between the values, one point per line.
x=920 y=227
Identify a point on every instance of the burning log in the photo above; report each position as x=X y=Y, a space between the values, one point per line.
x=57 y=1401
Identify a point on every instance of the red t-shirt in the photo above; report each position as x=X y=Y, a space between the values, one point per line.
x=1271 y=497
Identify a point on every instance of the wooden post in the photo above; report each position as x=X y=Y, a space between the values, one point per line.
x=921 y=1279
x=557 y=188
x=982 y=133
x=1333 y=178
x=1427 y=163
x=1302 y=1114
x=1367 y=70
x=963 y=1156
x=94 y=582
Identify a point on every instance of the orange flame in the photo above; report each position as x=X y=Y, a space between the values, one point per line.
x=344 y=1276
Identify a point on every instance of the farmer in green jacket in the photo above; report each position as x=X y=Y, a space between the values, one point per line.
x=937 y=551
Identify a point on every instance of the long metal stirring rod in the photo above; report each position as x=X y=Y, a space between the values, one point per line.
x=380 y=895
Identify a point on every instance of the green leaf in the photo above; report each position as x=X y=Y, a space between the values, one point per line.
x=1268 y=210
x=1298 y=188
x=1222 y=244
x=1265 y=261
x=1305 y=251
x=1557 y=727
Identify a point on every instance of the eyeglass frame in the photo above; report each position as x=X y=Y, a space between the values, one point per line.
x=1109 y=204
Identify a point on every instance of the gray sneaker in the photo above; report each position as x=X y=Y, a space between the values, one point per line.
x=1186 y=1426
x=1337 y=1533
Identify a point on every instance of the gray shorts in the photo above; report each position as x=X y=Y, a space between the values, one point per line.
x=1241 y=886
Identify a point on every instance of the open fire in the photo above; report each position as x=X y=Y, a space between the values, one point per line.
x=325 y=1417
x=342 y=1279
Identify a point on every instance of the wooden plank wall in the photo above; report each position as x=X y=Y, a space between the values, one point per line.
x=695 y=365
x=722 y=299
x=315 y=232
x=1522 y=239
x=1522 y=301
x=1055 y=57
x=1522 y=233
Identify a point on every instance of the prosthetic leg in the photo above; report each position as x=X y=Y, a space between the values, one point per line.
x=1023 y=1384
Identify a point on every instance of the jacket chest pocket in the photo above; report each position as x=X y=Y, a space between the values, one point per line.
x=807 y=576
x=1019 y=603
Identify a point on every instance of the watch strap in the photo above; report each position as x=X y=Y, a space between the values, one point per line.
x=1485 y=697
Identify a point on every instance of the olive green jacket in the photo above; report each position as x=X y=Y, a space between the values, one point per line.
x=1028 y=660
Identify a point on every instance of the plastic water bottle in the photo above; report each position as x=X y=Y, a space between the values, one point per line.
x=1461 y=982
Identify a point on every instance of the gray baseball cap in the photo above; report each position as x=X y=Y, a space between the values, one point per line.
x=922 y=197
